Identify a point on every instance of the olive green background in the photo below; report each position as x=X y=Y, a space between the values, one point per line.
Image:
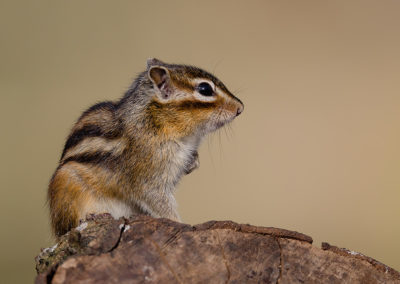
x=316 y=150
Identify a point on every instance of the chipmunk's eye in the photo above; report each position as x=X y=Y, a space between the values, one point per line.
x=205 y=89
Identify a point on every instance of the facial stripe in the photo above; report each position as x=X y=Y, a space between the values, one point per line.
x=181 y=73
x=181 y=81
x=197 y=73
x=181 y=105
x=195 y=105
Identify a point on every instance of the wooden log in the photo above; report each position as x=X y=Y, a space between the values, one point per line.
x=142 y=249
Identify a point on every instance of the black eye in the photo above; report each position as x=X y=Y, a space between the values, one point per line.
x=205 y=89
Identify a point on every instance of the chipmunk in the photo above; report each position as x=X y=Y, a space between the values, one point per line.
x=126 y=157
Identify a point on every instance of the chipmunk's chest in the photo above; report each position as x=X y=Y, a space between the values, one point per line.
x=177 y=157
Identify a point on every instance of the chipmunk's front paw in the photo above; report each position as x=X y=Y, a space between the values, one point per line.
x=193 y=164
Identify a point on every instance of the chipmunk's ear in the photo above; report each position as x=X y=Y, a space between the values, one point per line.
x=161 y=79
x=154 y=62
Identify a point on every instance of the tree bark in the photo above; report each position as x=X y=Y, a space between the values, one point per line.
x=142 y=249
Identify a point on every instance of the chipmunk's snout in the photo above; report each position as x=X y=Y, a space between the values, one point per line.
x=238 y=104
x=240 y=109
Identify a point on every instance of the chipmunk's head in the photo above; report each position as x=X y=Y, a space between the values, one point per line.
x=188 y=101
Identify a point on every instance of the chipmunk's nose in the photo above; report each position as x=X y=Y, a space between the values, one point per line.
x=240 y=109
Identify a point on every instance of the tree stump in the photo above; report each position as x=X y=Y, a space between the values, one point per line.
x=142 y=249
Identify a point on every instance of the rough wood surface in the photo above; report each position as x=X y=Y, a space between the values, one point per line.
x=143 y=249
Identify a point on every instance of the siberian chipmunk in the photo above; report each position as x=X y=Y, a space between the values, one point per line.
x=126 y=157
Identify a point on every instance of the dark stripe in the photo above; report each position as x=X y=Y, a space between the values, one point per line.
x=184 y=105
x=92 y=158
x=195 y=105
x=194 y=72
x=88 y=131
x=110 y=106
x=93 y=130
x=79 y=135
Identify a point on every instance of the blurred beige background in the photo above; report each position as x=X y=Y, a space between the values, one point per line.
x=317 y=149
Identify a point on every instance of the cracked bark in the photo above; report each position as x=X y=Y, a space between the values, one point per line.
x=280 y=262
x=123 y=226
x=144 y=249
x=228 y=270
x=171 y=239
x=165 y=261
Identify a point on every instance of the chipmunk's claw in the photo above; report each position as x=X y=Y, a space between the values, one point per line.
x=193 y=164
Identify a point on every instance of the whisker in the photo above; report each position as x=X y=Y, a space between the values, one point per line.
x=216 y=65
x=209 y=149
x=231 y=131
x=239 y=90
x=226 y=133
x=220 y=146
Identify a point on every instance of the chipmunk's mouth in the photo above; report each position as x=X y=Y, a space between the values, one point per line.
x=220 y=119
x=221 y=123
